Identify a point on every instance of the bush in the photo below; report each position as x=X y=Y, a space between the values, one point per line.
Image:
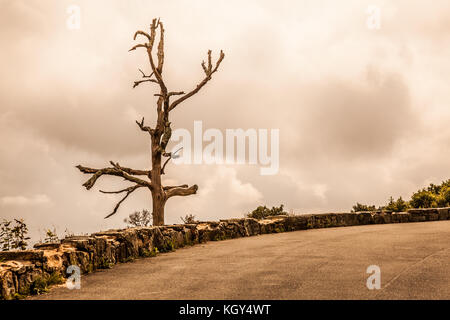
x=139 y=219
x=263 y=212
x=362 y=207
x=50 y=236
x=445 y=195
x=396 y=206
x=188 y=219
x=424 y=199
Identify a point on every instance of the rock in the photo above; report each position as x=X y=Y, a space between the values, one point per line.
x=47 y=246
x=26 y=255
x=443 y=213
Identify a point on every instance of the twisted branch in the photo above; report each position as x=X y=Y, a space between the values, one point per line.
x=181 y=191
x=118 y=171
x=209 y=71
x=129 y=191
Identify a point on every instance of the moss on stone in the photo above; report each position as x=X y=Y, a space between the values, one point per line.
x=55 y=278
x=149 y=253
x=105 y=263
x=168 y=246
x=39 y=286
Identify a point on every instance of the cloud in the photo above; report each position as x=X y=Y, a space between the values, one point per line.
x=35 y=200
x=357 y=120
x=362 y=114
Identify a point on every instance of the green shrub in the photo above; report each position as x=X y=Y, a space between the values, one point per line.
x=150 y=253
x=13 y=237
x=263 y=212
x=424 y=199
x=105 y=263
x=51 y=236
x=396 y=206
x=358 y=207
x=433 y=196
x=39 y=286
x=139 y=219
x=188 y=219
x=55 y=278
x=42 y=283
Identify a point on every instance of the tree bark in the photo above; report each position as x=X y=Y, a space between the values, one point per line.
x=158 y=196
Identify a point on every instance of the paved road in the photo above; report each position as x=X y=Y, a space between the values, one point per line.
x=314 y=264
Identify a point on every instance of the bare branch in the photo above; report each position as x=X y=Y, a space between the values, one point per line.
x=204 y=67
x=128 y=191
x=156 y=69
x=208 y=71
x=175 y=93
x=143 y=74
x=128 y=177
x=138 y=46
x=181 y=191
x=136 y=83
x=144 y=128
x=146 y=79
x=170 y=155
x=120 y=191
x=142 y=33
x=161 y=48
x=171 y=187
x=209 y=61
x=165 y=164
x=122 y=172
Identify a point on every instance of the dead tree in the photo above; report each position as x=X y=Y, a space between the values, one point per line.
x=159 y=134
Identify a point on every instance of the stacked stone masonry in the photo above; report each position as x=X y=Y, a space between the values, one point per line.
x=21 y=271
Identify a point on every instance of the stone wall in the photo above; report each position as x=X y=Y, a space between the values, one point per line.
x=30 y=272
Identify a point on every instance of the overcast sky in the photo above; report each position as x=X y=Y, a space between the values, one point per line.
x=363 y=113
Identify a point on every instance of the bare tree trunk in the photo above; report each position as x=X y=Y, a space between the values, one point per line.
x=158 y=208
x=158 y=197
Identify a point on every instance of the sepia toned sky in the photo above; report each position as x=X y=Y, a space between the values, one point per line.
x=363 y=113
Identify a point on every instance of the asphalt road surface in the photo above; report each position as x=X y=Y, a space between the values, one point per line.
x=414 y=259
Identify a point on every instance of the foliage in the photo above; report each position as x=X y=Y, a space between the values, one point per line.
x=5 y=235
x=105 y=263
x=433 y=196
x=423 y=199
x=139 y=219
x=50 y=236
x=396 y=206
x=188 y=219
x=147 y=253
x=362 y=207
x=39 y=286
x=42 y=283
x=55 y=278
x=263 y=212
x=13 y=237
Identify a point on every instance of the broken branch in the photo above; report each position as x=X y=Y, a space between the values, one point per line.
x=128 y=191
x=208 y=71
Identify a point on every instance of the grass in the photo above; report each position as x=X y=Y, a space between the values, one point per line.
x=147 y=253
x=105 y=263
x=41 y=284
